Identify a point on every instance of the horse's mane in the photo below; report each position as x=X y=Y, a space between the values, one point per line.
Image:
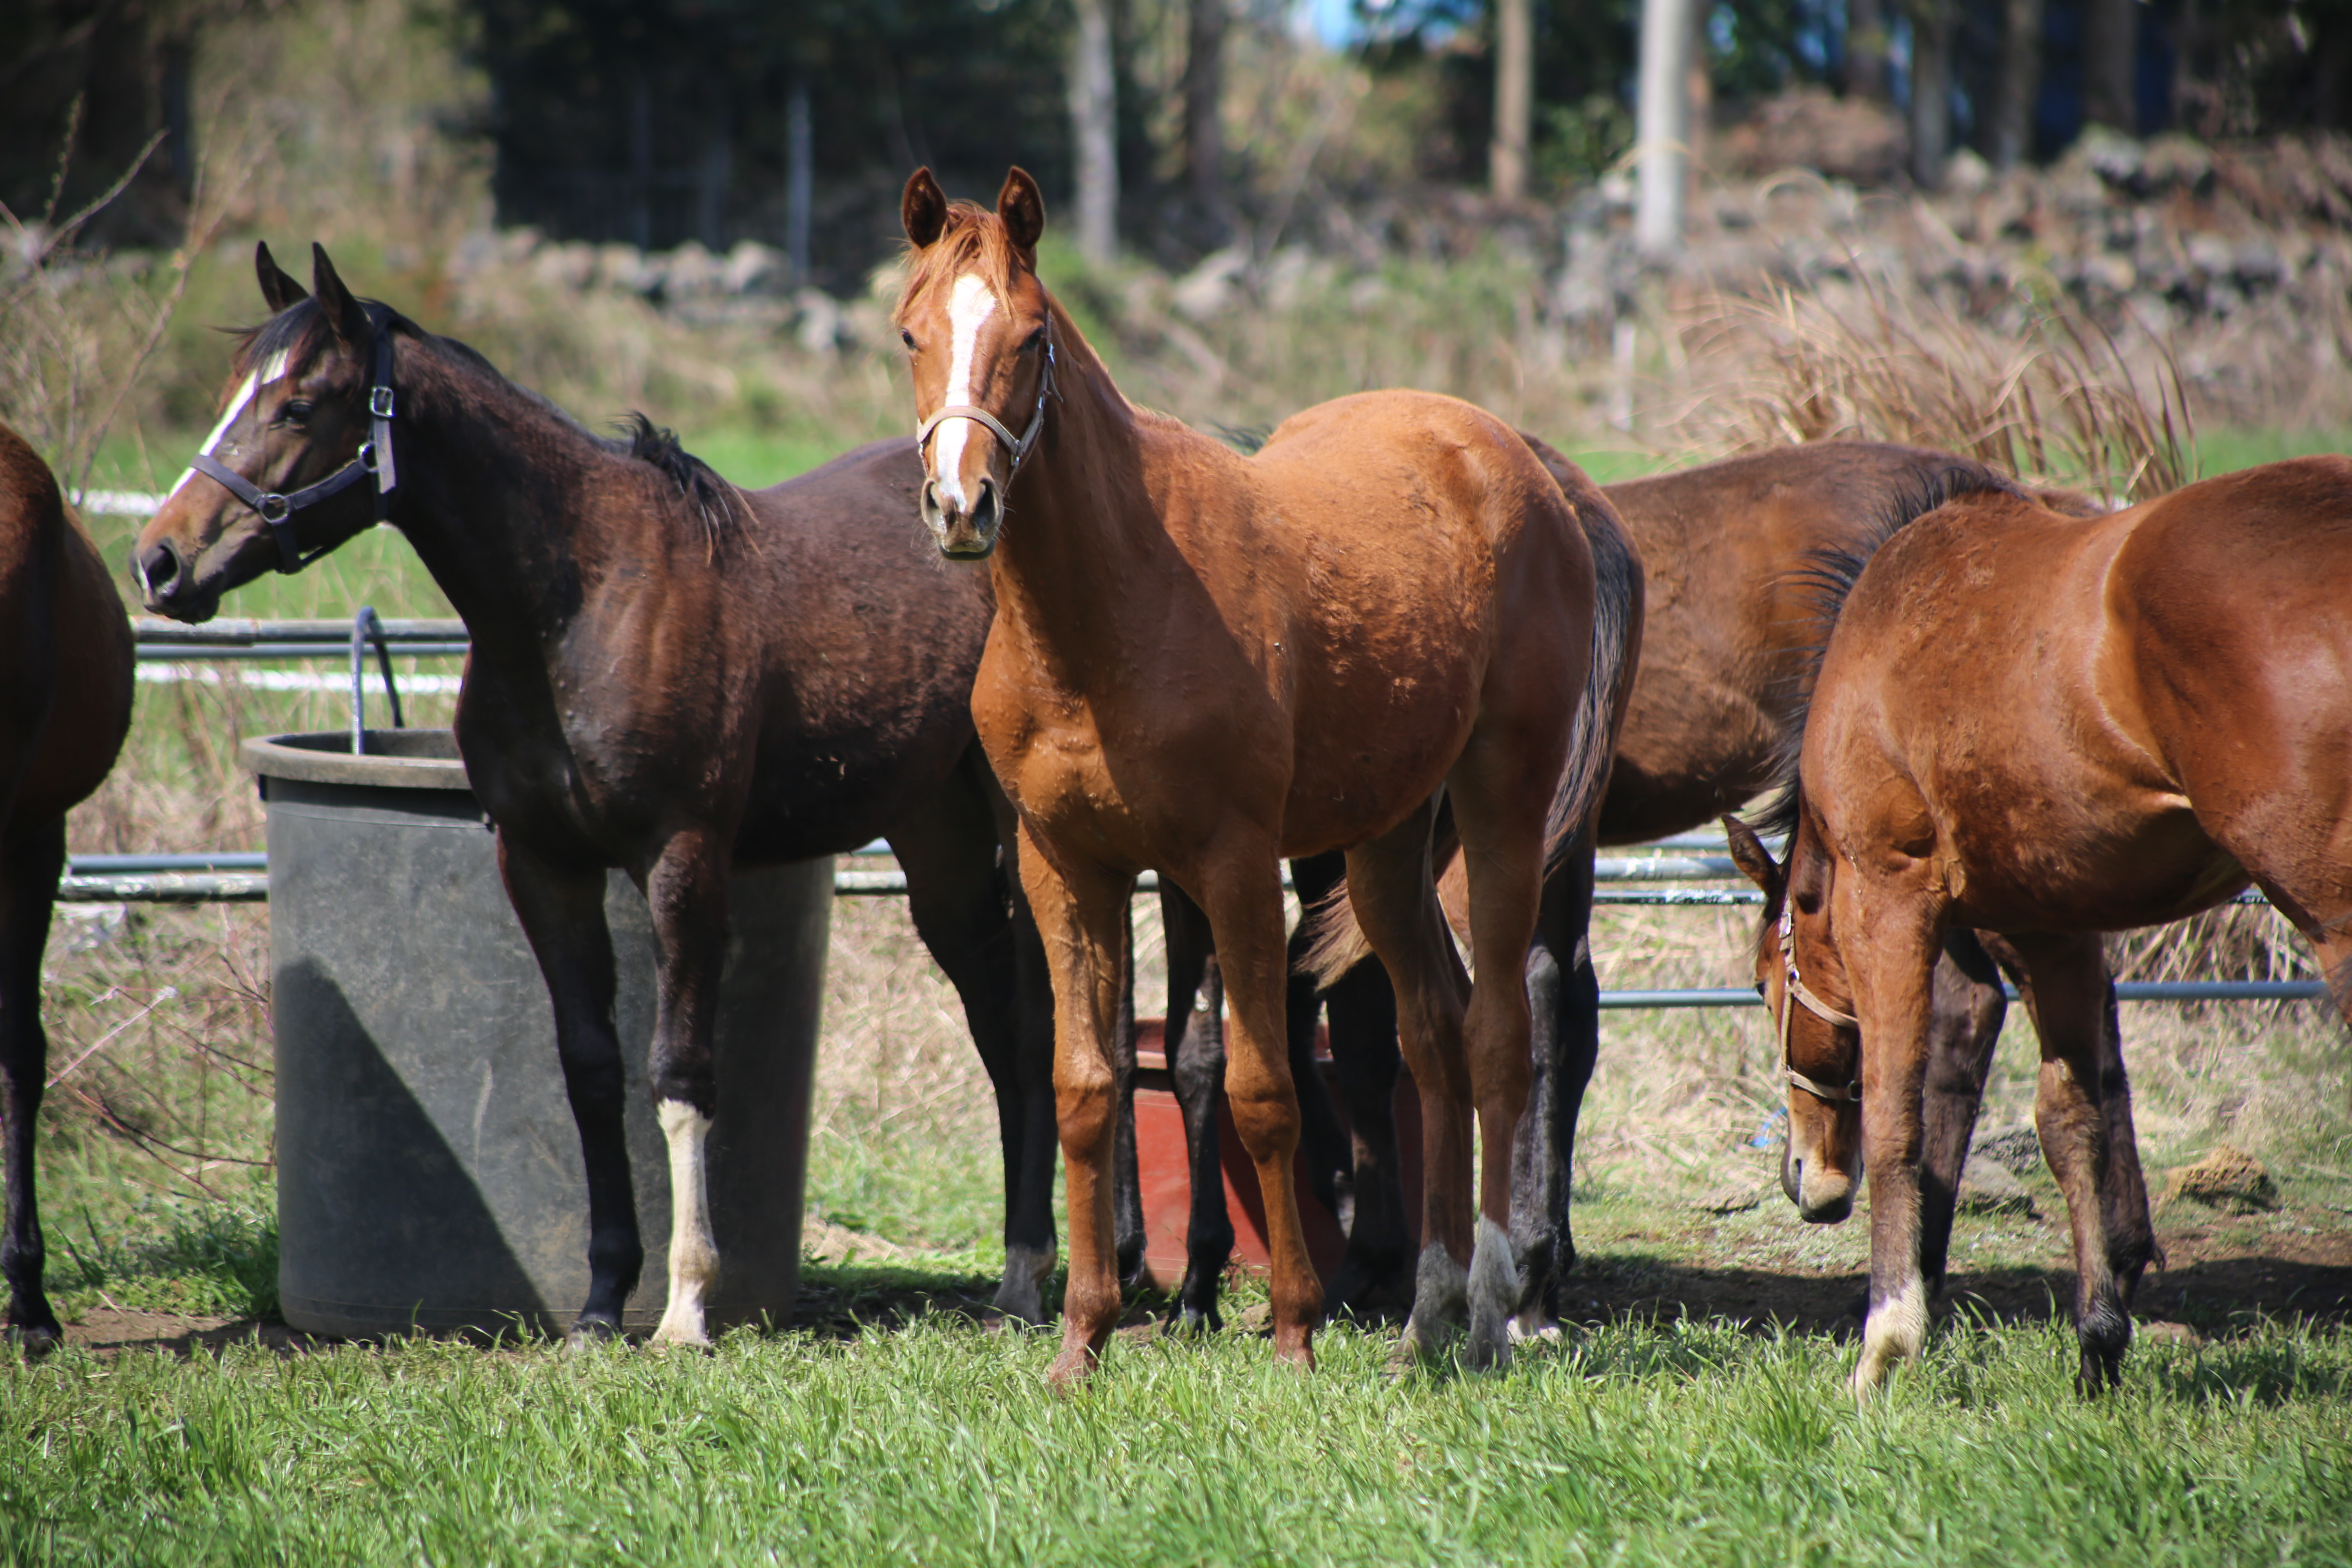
x=301 y=331
x=973 y=237
x=1829 y=575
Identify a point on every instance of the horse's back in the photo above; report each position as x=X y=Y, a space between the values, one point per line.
x=64 y=644
x=2231 y=596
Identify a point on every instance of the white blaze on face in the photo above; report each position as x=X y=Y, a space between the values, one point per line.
x=968 y=307
x=252 y=384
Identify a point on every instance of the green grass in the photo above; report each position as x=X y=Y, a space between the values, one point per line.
x=939 y=1444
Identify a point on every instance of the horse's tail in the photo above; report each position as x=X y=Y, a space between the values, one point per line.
x=1335 y=942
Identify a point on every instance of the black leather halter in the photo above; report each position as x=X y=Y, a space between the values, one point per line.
x=374 y=458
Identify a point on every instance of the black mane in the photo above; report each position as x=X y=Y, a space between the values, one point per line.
x=1829 y=576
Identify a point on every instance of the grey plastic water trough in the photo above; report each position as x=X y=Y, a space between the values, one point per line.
x=428 y=1168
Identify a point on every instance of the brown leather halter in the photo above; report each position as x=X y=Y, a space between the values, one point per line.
x=1018 y=446
x=1794 y=991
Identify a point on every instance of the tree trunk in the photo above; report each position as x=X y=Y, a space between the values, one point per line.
x=800 y=178
x=1515 y=92
x=1931 y=90
x=2020 y=85
x=1094 y=127
x=1865 y=52
x=2110 y=64
x=1204 y=132
x=1662 y=130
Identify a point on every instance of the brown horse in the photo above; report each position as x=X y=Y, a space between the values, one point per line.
x=668 y=675
x=1735 y=553
x=2051 y=727
x=1202 y=662
x=64 y=706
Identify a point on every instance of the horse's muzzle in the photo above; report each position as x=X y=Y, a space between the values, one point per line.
x=167 y=583
x=965 y=534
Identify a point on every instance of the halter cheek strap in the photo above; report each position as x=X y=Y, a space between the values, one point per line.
x=374 y=459
x=1019 y=445
x=1795 y=993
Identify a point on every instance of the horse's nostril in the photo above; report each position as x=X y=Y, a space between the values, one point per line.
x=159 y=569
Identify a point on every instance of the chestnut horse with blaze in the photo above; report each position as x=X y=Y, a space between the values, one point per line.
x=64 y=706
x=1203 y=662
x=2049 y=727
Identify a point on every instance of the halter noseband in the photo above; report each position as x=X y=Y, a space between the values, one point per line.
x=1019 y=445
x=1794 y=991
x=374 y=458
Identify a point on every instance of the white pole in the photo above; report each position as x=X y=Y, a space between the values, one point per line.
x=1663 y=126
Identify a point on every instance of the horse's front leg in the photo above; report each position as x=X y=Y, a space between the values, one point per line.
x=1564 y=1004
x=1081 y=912
x=1890 y=957
x=560 y=906
x=2065 y=985
x=1964 y=1017
x=31 y=858
x=1196 y=1064
x=687 y=890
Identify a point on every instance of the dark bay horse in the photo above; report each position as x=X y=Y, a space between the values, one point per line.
x=64 y=706
x=668 y=675
x=2049 y=727
x=1732 y=625
x=1201 y=663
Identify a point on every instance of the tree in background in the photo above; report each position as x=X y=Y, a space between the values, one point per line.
x=1093 y=129
x=1866 y=44
x=1514 y=94
x=2020 y=83
x=1205 y=131
x=2110 y=64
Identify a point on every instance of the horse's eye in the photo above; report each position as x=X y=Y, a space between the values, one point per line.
x=907 y=338
x=1760 y=989
x=1036 y=340
x=297 y=411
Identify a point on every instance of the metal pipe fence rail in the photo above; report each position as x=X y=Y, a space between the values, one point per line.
x=243 y=876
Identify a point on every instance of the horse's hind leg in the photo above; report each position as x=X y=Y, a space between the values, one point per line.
x=31 y=858
x=561 y=910
x=965 y=913
x=1361 y=1007
x=1499 y=803
x=1964 y=1025
x=1395 y=903
x=2065 y=985
x=1564 y=1005
x=1196 y=1063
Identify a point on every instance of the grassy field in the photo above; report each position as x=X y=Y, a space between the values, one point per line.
x=1694 y=1411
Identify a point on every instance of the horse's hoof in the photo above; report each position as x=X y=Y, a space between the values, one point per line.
x=1192 y=1322
x=593 y=1333
x=1538 y=1326
x=35 y=1340
x=1070 y=1370
x=1295 y=1351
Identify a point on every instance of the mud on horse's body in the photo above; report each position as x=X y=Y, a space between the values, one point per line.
x=64 y=706
x=2049 y=727
x=668 y=675
x=1201 y=663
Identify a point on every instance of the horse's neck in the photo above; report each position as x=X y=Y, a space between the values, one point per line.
x=1084 y=541
x=495 y=507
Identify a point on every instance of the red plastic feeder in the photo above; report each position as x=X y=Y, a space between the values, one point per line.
x=1168 y=1185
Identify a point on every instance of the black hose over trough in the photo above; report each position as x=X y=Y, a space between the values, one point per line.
x=429 y=1173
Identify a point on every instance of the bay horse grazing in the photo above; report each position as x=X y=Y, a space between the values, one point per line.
x=1729 y=633
x=64 y=706
x=1202 y=662
x=668 y=675
x=2049 y=727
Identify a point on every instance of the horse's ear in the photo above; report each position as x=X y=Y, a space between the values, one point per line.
x=1748 y=853
x=343 y=313
x=278 y=289
x=923 y=209
x=1022 y=206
